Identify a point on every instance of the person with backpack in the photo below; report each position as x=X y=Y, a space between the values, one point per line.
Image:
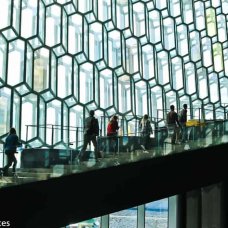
x=145 y=130
x=112 y=132
x=91 y=131
x=173 y=124
x=183 y=120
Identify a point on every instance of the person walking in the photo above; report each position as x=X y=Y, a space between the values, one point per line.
x=10 y=148
x=182 y=121
x=91 y=131
x=145 y=131
x=173 y=125
x=112 y=132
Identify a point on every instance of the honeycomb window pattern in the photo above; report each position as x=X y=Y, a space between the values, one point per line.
x=61 y=58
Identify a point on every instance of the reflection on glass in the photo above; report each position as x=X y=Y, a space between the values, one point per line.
x=202 y=83
x=93 y=223
x=141 y=103
x=64 y=76
x=124 y=218
x=86 y=82
x=200 y=15
x=156 y=214
x=106 y=86
x=218 y=58
x=190 y=78
x=195 y=46
x=182 y=38
x=148 y=61
x=177 y=73
x=206 y=47
x=187 y=11
x=213 y=86
x=132 y=58
x=53 y=122
x=156 y=97
x=95 y=42
x=154 y=24
x=41 y=69
x=15 y=59
x=163 y=67
x=29 y=116
x=53 y=22
x=169 y=33
x=114 y=52
x=139 y=19
x=211 y=22
x=5 y=12
x=4 y=110
x=75 y=34
x=28 y=18
x=124 y=91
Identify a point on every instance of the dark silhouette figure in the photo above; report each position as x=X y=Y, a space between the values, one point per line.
x=112 y=132
x=10 y=148
x=91 y=131
x=183 y=120
x=173 y=124
x=145 y=130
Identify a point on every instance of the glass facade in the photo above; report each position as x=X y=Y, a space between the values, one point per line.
x=61 y=58
x=150 y=215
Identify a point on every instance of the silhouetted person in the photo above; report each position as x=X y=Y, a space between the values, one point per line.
x=183 y=120
x=145 y=131
x=112 y=132
x=10 y=148
x=91 y=131
x=172 y=124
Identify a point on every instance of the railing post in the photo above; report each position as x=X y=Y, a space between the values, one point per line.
x=122 y=123
x=76 y=137
x=157 y=115
x=101 y=125
x=52 y=135
x=26 y=135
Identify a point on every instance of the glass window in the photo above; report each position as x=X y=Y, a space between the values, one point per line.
x=124 y=218
x=63 y=58
x=156 y=214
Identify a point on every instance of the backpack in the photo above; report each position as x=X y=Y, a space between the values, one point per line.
x=182 y=116
x=92 y=126
x=145 y=127
x=171 y=118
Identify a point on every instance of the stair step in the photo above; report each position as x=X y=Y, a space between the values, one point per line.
x=35 y=170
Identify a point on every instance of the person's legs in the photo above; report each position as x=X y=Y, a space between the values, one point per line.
x=173 y=137
x=115 y=144
x=14 y=163
x=110 y=148
x=176 y=134
x=10 y=159
x=185 y=133
x=94 y=141
x=85 y=144
x=143 y=141
x=147 y=142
